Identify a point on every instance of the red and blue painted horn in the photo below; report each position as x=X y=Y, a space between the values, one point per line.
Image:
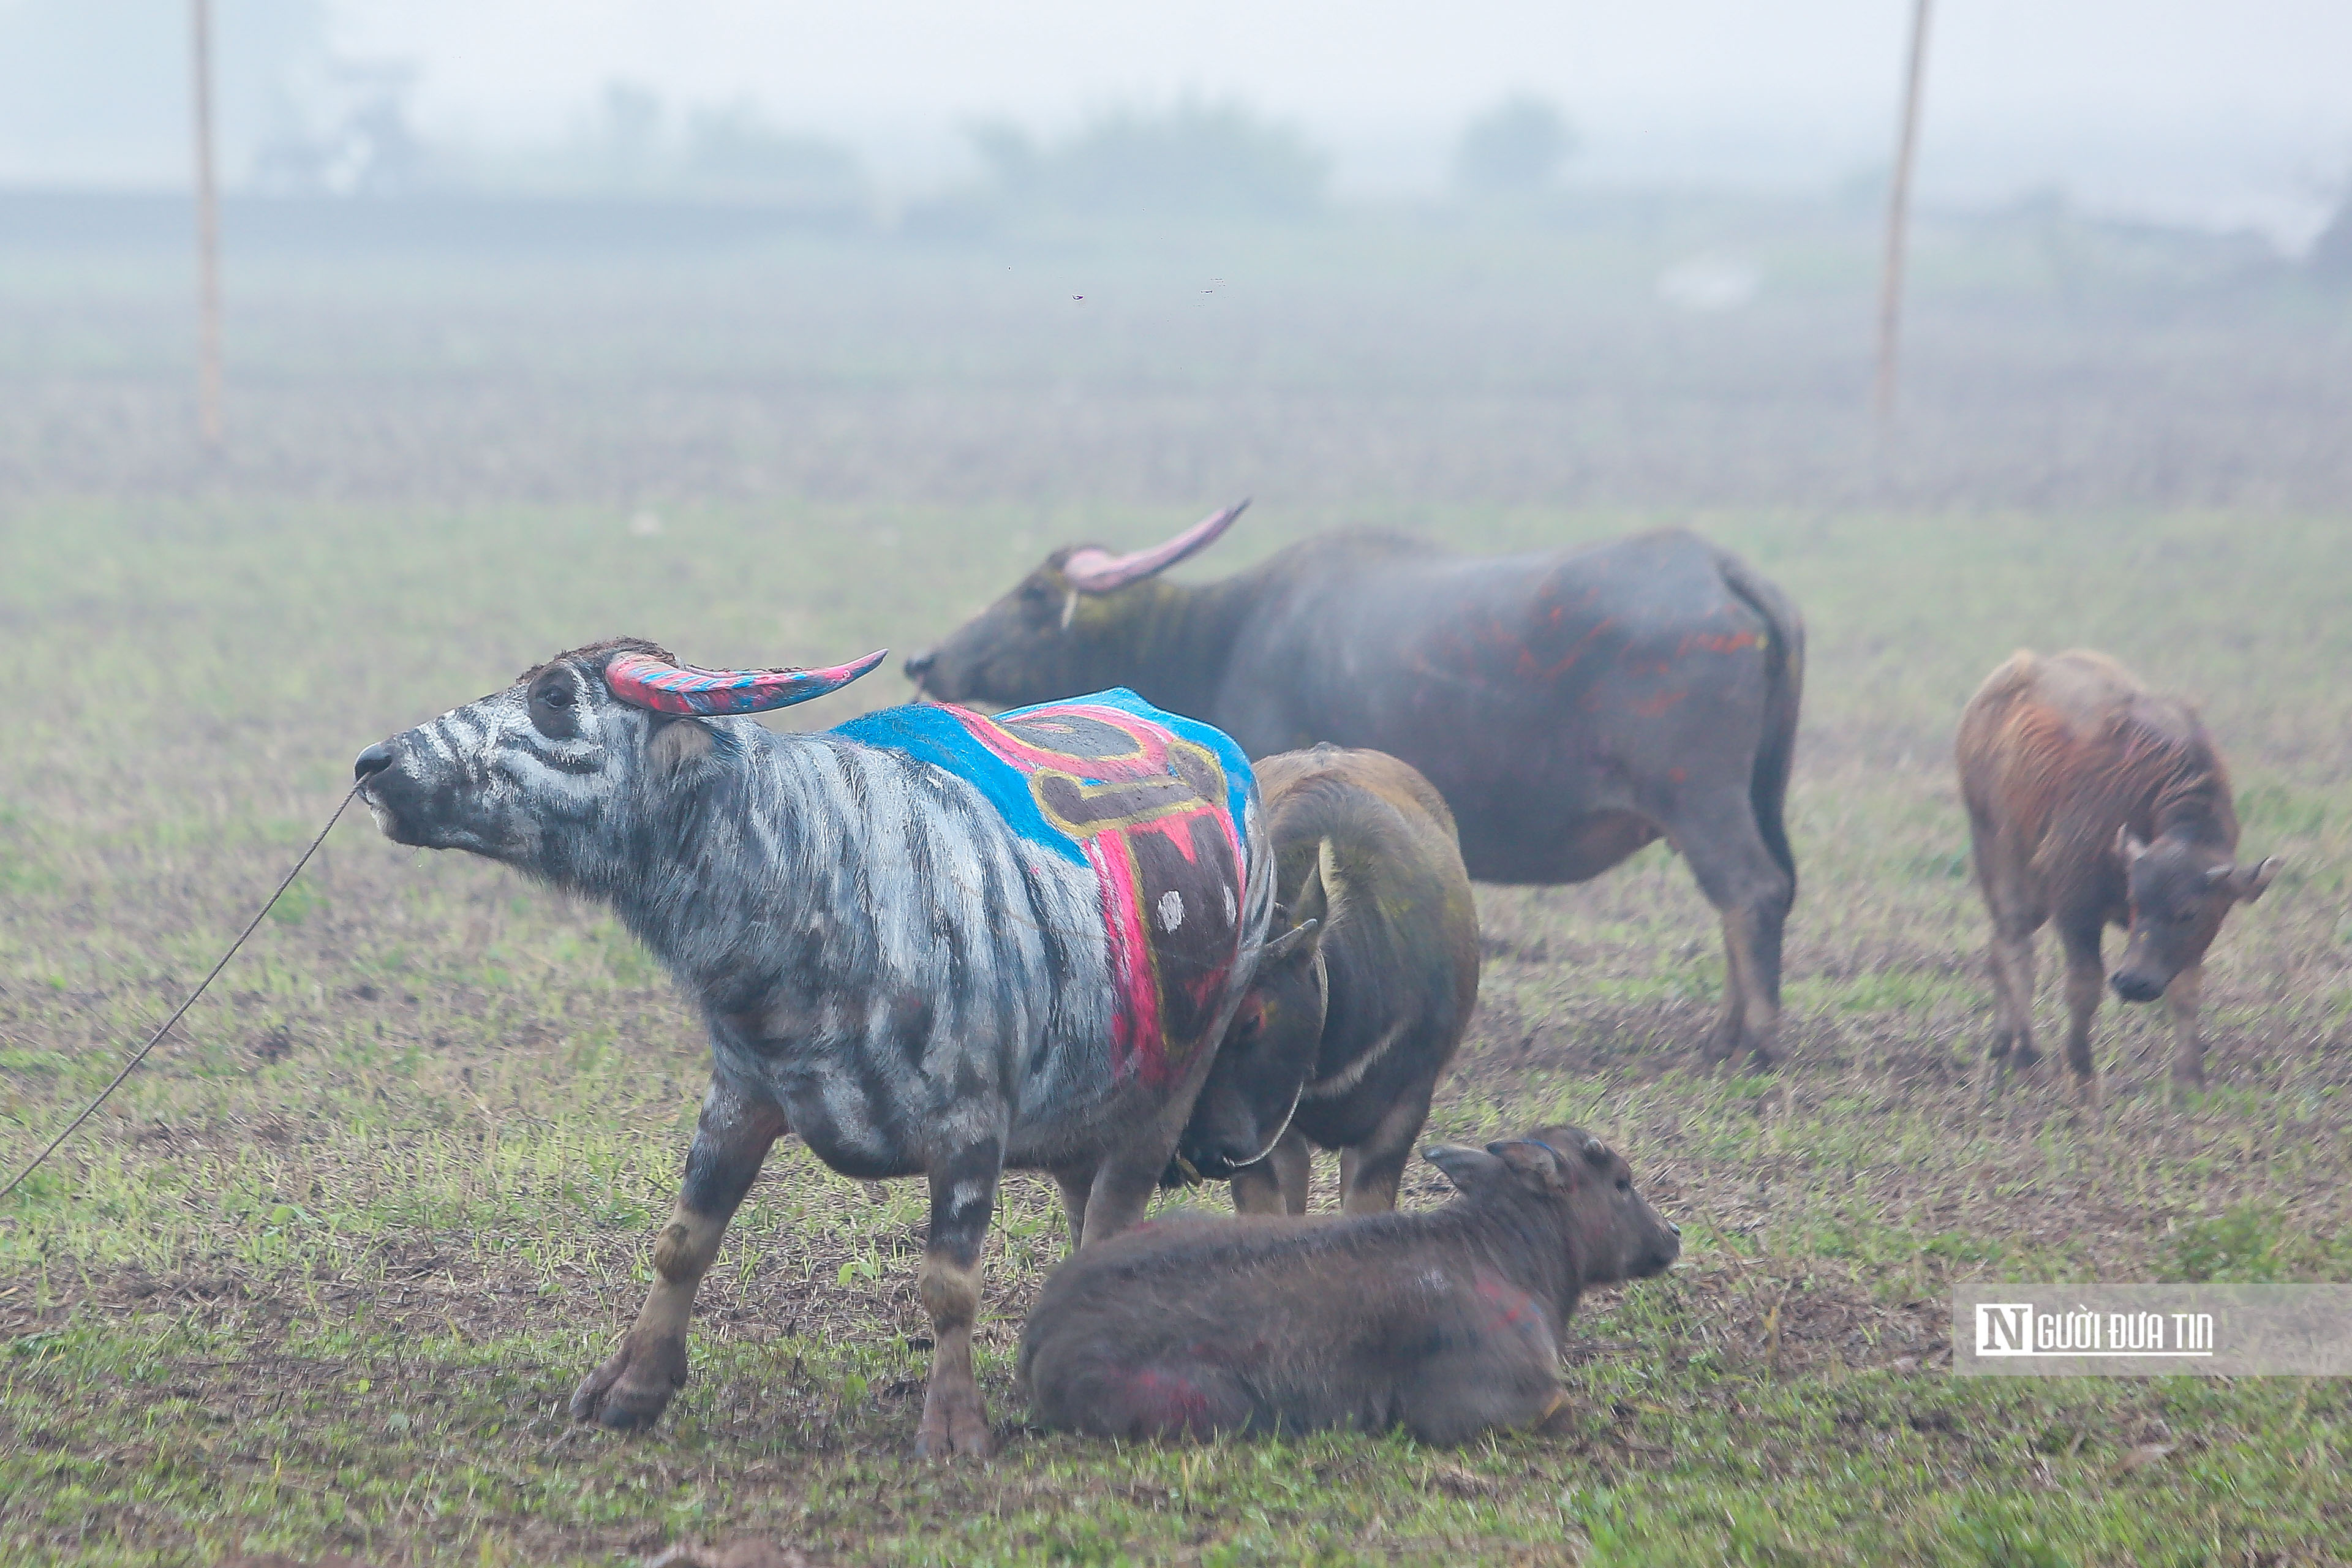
x=644 y=681
x=1095 y=570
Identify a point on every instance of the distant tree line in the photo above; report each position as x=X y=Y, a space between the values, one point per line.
x=1195 y=156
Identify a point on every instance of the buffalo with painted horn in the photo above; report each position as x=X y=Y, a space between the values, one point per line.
x=927 y=942
x=1571 y=705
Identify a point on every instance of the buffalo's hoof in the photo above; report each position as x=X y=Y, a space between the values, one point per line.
x=954 y=1423
x=633 y=1387
x=2011 y=1054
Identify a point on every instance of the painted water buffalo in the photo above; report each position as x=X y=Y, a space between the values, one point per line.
x=1571 y=706
x=1445 y=1321
x=927 y=941
x=2095 y=802
x=1360 y=1003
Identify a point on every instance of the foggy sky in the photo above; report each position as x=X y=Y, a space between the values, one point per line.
x=2220 y=110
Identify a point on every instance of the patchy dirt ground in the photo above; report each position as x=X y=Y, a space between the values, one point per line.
x=319 y=1279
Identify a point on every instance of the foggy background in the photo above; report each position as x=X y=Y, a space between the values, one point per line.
x=2219 y=113
x=1366 y=261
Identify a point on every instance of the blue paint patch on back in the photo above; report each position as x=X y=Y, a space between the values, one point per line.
x=938 y=736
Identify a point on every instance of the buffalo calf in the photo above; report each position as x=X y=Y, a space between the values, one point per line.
x=1360 y=1003
x=1445 y=1321
x=2094 y=802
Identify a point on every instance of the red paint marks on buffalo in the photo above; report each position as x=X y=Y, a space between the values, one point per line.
x=1717 y=642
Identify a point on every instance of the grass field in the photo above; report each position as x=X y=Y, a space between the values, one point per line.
x=321 y=1276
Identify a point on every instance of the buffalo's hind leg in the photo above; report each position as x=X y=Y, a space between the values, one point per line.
x=1737 y=873
x=1487 y=1381
x=2010 y=907
x=963 y=1201
x=1372 y=1172
x=2011 y=962
x=731 y=1139
x=1100 y=1391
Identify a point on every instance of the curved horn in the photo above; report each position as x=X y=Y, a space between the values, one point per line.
x=642 y=681
x=1097 y=571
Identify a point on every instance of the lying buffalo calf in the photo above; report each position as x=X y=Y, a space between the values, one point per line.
x=2094 y=802
x=1445 y=1321
x=1359 y=1005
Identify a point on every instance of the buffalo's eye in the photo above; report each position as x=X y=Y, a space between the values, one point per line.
x=1040 y=601
x=554 y=710
x=1624 y=1184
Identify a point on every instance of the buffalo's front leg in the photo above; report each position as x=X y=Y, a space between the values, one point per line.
x=731 y=1140
x=2187 y=1052
x=1276 y=1185
x=963 y=1200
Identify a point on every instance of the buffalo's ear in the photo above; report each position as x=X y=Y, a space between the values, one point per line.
x=2130 y=847
x=1311 y=910
x=1537 y=1165
x=1469 y=1169
x=677 y=740
x=1325 y=890
x=2246 y=882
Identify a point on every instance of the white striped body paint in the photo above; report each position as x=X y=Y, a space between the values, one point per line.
x=884 y=967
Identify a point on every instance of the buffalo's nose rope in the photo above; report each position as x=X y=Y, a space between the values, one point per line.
x=181 y=1011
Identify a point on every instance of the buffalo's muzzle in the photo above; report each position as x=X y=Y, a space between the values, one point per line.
x=372 y=762
x=2133 y=987
x=920 y=665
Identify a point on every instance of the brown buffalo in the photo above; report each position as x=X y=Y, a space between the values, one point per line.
x=2094 y=802
x=1358 y=1005
x=1445 y=1321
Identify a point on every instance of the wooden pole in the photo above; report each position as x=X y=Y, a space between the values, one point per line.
x=1898 y=211
x=208 y=300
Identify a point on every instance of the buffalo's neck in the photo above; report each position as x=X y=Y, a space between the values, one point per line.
x=1554 y=1253
x=2196 y=810
x=709 y=868
x=1170 y=643
x=1521 y=1240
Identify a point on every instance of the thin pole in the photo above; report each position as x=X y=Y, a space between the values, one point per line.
x=1898 y=211
x=208 y=303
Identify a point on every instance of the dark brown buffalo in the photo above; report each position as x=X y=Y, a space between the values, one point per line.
x=2094 y=802
x=1571 y=705
x=1445 y=1321
x=1360 y=1003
